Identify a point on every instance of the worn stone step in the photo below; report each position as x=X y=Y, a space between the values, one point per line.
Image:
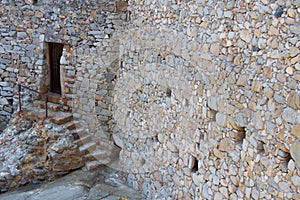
x=83 y=140
x=52 y=97
x=96 y=155
x=104 y=144
x=51 y=106
x=96 y=164
x=33 y=115
x=71 y=125
x=79 y=132
x=62 y=118
x=88 y=147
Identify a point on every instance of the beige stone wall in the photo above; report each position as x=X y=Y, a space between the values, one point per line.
x=86 y=28
x=207 y=101
x=35 y=150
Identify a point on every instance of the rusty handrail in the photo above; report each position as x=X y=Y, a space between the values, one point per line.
x=28 y=88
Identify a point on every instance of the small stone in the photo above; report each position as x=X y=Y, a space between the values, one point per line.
x=242 y=81
x=281 y=78
x=93 y=14
x=258 y=121
x=294 y=51
x=255 y=193
x=289 y=71
x=278 y=12
x=295 y=29
x=172 y=147
x=291 y=13
x=268 y=72
x=196 y=179
x=295 y=59
x=3 y=101
x=295 y=180
x=273 y=31
x=249 y=182
x=284 y=187
x=38 y=14
x=297 y=77
x=213 y=102
x=234 y=180
x=295 y=153
x=215 y=48
x=255 y=48
x=297 y=66
x=290 y=115
x=230 y=5
x=224 y=191
x=248 y=193
x=296 y=196
x=264 y=2
x=262 y=42
x=225 y=145
x=257 y=86
x=294 y=100
x=218 y=196
x=192 y=32
x=204 y=192
x=246 y=36
x=291 y=165
x=221 y=119
x=296 y=131
x=218 y=153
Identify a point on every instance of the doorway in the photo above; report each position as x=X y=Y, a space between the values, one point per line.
x=55 y=52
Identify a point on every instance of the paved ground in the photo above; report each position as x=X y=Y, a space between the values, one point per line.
x=101 y=184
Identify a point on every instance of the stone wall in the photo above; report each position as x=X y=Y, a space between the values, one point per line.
x=207 y=101
x=202 y=96
x=87 y=30
x=33 y=151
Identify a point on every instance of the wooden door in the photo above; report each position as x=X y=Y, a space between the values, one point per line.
x=55 y=52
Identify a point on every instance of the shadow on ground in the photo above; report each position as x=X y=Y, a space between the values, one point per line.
x=99 y=184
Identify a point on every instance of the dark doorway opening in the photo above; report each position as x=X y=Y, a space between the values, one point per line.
x=55 y=52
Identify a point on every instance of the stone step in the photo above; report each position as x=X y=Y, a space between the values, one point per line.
x=96 y=164
x=97 y=155
x=52 y=97
x=104 y=144
x=71 y=125
x=79 y=132
x=62 y=118
x=88 y=147
x=33 y=115
x=51 y=106
x=83 y=140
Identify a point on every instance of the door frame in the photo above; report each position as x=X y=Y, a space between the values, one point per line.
x=50 y=84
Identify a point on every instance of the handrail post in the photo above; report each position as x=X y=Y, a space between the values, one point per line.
x=20 y=103
x=46 y=102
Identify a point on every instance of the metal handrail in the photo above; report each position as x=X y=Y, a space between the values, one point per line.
x=28 y=88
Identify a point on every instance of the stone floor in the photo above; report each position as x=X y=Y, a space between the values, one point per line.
x=100 y=184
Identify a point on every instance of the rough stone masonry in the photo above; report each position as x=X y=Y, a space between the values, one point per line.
x=208 y=99
x=202 y=96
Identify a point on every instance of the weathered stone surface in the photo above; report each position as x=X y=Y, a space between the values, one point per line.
x=296 y=131
x=77 y=185
x=295 y=153
x=294 y=100
x=225 y=145
x=283 y=186
x=246 y=35
x=295 y=180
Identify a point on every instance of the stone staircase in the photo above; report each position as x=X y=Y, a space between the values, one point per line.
x=96 y=151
